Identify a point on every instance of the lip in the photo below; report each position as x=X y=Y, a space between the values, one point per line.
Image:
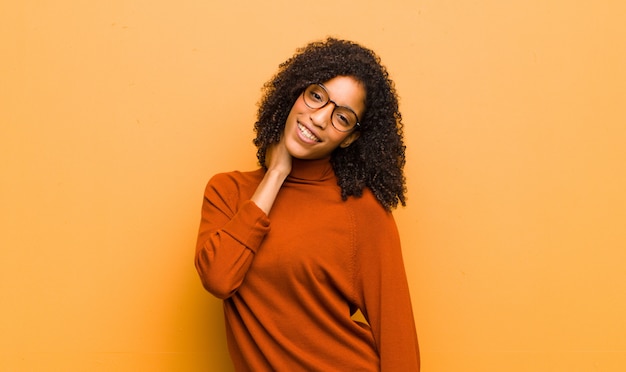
x=305 y=139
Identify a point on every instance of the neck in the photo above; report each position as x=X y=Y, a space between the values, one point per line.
x=316 y=169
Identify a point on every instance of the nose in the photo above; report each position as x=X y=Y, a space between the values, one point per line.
x=322 y=116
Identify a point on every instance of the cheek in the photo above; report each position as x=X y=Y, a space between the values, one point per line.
x=296 y=110
x=299 y=106
x=338 y=139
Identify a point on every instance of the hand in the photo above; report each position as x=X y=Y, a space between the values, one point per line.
x=278 y=159
x=278 y=163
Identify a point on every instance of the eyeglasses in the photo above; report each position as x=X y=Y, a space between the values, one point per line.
x=343 y=118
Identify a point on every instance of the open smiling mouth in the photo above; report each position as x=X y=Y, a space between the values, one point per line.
x=307 y=133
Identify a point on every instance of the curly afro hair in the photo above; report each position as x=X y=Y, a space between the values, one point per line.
x=376 y=159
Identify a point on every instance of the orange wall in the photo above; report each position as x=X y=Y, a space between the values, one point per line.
x=114 y=114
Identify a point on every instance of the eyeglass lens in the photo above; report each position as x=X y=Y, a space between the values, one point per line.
x=316 y=97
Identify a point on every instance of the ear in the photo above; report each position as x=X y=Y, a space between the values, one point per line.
x=351 y=138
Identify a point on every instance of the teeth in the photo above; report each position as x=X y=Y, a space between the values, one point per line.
x=307 y=133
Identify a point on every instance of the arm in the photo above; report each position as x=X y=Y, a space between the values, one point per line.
x=230 y=235
x=383 y=291
x=278 y=168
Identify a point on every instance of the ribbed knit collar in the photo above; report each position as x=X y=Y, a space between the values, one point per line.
x=312 y=170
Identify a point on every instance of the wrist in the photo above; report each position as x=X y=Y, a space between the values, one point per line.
x=278 y=174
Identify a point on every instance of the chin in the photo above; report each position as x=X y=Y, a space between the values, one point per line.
x=301 y=156
x=296 y=151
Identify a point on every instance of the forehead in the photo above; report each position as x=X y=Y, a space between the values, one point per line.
x=347 y=91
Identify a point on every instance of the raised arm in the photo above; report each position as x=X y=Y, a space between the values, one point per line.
x=278 y=168
x=228 y=236
x=231 y=231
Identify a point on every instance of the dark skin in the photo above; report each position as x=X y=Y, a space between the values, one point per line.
x=308 y=134
x=377 y=159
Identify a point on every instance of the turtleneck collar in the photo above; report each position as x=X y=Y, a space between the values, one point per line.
x=313 y=170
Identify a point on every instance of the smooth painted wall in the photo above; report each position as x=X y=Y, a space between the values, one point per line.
x=114 y=114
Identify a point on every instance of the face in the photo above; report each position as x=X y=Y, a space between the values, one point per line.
x=309 y=133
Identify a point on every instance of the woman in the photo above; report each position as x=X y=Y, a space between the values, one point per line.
x=296 y=247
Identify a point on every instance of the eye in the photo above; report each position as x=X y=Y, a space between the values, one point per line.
x=344 y=117
x=316 y=95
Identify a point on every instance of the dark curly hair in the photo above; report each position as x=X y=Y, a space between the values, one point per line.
x=376 y=159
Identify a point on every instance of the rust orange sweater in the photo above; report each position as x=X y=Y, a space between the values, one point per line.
x=291 y=280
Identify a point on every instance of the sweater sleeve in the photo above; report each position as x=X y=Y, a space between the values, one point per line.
x=230 y=233
x=382 y=290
